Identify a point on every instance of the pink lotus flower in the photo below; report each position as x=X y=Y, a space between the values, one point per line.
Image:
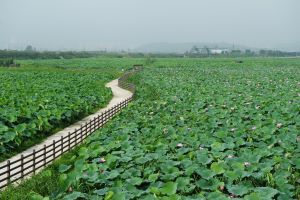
x=102 y=160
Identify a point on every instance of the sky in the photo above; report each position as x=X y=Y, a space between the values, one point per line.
x=126 y=24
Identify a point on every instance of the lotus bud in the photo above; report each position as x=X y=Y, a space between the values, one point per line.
x=221 y=187
x=279 y=125
x=179 y=145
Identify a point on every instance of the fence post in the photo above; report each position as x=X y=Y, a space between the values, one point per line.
x=90 y=123
x=75 y=136
x=69 y=140
x=33 y=160
x=81 y=134
x=85 y=134
x=62 y=144
x=8 y=172
x=53 y=146
x=45 y=155
x=22 y=166
x=87 y=128
x=101 y=123
x=84 y=129
x=97 y=122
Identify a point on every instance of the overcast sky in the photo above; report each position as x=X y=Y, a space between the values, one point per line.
x=98 y=24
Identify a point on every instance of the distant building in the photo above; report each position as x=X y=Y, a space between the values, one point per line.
x=219 y=51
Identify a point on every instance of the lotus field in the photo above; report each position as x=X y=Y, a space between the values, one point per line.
x=197 y=129
x=196 y=133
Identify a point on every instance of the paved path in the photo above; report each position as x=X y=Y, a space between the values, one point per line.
x=119 y=95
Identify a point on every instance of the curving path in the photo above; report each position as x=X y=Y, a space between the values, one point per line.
x=119 y=95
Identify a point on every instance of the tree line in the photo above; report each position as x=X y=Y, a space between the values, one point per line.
x=194 y=52
x=209 y=52
x=46 y=54
x=8 y=62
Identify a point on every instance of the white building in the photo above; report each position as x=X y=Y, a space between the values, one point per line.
x=219 y=51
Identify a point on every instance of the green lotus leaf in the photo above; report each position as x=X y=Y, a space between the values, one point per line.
x=217 y=168
x=153 y=177
x=169 y=188
x=135 y=180
x=101 y=192
x=63 y=168
x=74 y=196
x=238 y=190
x=206 y=173
x=3 y=128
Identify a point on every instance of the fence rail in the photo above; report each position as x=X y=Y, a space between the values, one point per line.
x=16 y=170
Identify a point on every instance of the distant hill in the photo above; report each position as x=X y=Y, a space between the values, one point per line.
x=289 y=46
x=183 y=47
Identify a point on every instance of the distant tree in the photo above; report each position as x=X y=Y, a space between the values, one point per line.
x=149 y=60
x=29 y=48
x=8 y=62
x=206 y=50
x=186 y=54
x=262 y=52
x=236 y=52
x=195 y=50
x=248 y=52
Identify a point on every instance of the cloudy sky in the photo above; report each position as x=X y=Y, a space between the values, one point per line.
x=113 y=24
